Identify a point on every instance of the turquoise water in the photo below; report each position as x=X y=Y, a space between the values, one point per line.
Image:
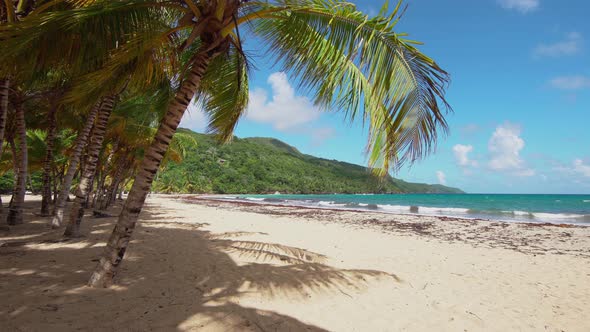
x=526 y=208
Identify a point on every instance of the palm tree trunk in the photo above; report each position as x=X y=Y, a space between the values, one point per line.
x=81 y=141
x=112 y=190
x=30 y=180
x=14 y=153
x=99 y=193
x=101 y=189
x=4 y=92
x=15 y=214
x=48 y=162
x=121 y=236
x=55 y=184
x=98 y=133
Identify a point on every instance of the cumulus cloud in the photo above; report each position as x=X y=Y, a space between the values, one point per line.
x=461 y=153
x=442 y=178
x=576 y=82
x=570 y=45
x=505 y=146
x=578 y=170
x=194 y=118
x=523 y=6
x=284 y=110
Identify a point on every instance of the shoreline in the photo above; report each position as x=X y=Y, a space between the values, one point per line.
x=532 y=237
x=245 y=202
x=216 y=266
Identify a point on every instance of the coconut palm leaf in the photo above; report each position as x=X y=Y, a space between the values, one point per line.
x=354 y=63
x=223 y=94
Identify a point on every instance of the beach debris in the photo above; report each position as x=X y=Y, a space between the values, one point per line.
x=49 y=307
x=100 y=214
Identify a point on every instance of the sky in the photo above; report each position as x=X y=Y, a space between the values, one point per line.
x=520 y=94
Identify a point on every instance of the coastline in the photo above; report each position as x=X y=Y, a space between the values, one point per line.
x=218 y=266
x=462 y=209
x=453 y=229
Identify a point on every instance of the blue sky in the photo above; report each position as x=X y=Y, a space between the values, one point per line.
x=520 y=92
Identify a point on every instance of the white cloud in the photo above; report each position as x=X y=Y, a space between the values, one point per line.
x=577 y=169
x=442 y=178
x=462 y=155
x=581 y=168
x=284 y=110
x=570 y=45
x=194 y=118
x=523 y=6
x=505 y=146
x=575 y=82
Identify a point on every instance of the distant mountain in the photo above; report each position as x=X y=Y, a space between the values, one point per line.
x=267 y=165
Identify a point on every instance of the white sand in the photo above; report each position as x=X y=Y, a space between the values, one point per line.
x=226 y=267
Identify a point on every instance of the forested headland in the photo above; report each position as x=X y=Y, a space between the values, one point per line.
x=267 y=165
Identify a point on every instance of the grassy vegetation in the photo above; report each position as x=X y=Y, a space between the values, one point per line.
x=267 y=165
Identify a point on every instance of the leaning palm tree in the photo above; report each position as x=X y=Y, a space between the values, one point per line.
x=15 y=211
x=79 y=145
x=131 y=131
x=7 y=15
x=350 y=62
x=88 y=172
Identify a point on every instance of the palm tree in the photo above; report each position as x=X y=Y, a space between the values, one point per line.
x=79 y=145
x=4 y=88
x=15 y=212
x=337 y=52
x=350 y=62
x=48 y=162
x=4 y=91
x=131 y=130
x=94 y=147
x=52 y=87
x=11 y=13
x=6 y=15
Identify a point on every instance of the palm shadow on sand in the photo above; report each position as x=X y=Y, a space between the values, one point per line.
x=191 y=284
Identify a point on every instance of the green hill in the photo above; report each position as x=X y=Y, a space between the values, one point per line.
x=267 y=165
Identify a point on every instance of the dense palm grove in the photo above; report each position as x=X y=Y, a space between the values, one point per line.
x=92 y=91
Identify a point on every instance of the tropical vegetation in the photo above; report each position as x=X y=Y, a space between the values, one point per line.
x=266 y=165
x=92 y=91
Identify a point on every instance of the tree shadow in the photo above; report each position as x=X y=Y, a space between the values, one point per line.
x=175 y=277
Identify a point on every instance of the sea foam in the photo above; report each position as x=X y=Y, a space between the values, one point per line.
x=477 y=212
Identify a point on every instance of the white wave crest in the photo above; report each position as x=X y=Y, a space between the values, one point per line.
x=330 y=204
x=439 y=210
x=521 y=213
x=394 y=208
x=256 y=199
x=557 y=216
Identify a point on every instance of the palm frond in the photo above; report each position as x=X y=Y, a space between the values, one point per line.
x=223 y=94
x=354 y=63
x=82 y=37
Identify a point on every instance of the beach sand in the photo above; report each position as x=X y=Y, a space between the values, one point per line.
x=202 y=265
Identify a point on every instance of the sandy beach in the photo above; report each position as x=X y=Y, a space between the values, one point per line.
x=203 y=265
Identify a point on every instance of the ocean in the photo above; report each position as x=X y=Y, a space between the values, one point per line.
x=572 y=209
